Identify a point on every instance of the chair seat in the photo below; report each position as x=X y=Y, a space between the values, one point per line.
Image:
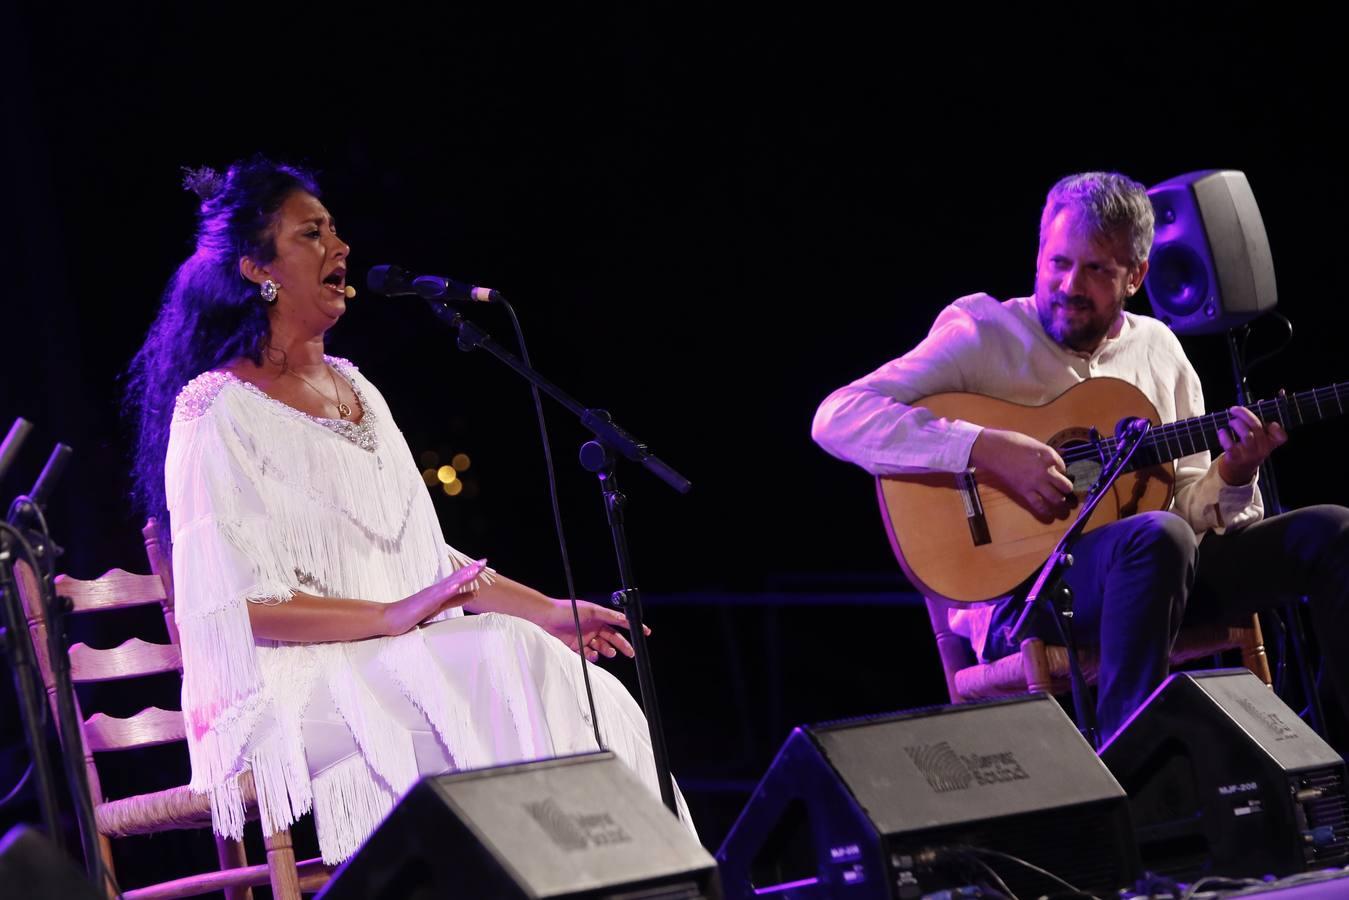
x=1008 y=675
x=174 y=808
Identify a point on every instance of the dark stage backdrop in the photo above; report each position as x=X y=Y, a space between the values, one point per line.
x=707 y=221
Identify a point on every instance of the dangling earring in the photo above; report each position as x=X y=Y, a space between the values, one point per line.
x=268 y=291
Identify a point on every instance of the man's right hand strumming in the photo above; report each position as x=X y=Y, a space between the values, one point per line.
x=1031 y=471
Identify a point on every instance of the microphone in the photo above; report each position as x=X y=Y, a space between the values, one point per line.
x=1131 y=428
x=9 y=450
x=51 y=473
x=393 y=281
x=349 y=292
x=34 y=503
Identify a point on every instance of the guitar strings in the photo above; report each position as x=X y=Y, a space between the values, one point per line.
x=1201 y=432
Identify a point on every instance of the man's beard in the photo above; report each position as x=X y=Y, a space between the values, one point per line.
x=1083 y=336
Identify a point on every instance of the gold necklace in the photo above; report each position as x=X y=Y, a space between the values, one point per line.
x=343 y=411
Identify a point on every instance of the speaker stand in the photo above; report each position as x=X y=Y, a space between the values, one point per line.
x=1269 y=491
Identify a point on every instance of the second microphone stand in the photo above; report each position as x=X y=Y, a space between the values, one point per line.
x=1051 y=591
x=599 y=456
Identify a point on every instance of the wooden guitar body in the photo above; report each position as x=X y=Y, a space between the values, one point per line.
x=962 y=538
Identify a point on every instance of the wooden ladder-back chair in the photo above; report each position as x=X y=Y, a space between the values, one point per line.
x=164 y=810
x=1038 y=666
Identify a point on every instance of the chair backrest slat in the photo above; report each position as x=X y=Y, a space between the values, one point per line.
x=131 y=659
x=114 y=589
x=147 y=728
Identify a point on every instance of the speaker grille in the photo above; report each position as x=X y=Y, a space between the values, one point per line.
x=1327 y=816
x=1178 y=283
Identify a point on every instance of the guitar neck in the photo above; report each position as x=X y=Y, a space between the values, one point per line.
x=1178 y=439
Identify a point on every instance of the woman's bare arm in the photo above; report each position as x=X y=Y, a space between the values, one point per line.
x=306 y=618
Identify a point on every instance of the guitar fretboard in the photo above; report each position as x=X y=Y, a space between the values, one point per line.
x=1178 y=439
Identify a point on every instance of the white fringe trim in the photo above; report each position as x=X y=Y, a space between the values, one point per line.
x=349 y=805
x=505 y=668
x=223 y=704
x=412 y=666
x=459 y=560
x=227 y=808
x=384 y=743
x=281 y=775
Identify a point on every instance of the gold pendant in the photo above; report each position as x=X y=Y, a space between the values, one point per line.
x=343 y=410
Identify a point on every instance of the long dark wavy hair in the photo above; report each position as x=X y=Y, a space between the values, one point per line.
x=210 y=314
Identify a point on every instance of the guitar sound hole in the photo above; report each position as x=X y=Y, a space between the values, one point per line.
x=1081 y=472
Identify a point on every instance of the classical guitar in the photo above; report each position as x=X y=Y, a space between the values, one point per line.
x=961 y=537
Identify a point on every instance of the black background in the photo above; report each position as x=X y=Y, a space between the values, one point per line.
x=706 y=219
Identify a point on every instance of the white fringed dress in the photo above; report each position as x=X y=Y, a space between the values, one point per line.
x=266 y=501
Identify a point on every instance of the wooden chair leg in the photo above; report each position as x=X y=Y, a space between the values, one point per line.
x=1253 y=653
x=231 y=855
x=950 y=646
x=281 y=866
x=1035 y=663
x=105 y=851
x=954 y=650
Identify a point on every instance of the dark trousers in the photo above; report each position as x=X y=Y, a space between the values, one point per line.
x=1135 y=581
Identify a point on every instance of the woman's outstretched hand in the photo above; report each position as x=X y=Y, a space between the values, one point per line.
x=406 y=614
x=600 y=635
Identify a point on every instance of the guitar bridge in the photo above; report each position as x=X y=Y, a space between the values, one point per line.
x=968 y=489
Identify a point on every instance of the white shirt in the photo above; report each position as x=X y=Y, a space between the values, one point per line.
x=982 y=346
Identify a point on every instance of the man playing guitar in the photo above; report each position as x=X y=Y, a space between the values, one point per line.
x=1131 y=578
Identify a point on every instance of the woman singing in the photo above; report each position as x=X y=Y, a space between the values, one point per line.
x=320 y=610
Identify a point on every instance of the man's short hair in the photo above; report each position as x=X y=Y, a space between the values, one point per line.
x=1109 y=204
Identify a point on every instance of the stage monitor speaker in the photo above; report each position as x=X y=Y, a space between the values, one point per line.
x=912 y=803
x=571 y=827
x=32 y=867
x=1210 y=268
x=1224 y=779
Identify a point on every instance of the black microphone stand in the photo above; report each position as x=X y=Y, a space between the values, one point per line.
x=1058 y=599
x=18 y=647
x=28 y=514
x=27 y=524
x=599 y=456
